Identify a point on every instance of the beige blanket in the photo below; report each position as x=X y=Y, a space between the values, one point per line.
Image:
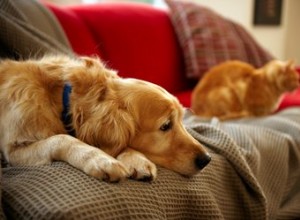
x=254 y=174
x=29 y=29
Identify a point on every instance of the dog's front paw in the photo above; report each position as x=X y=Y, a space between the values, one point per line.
x=106 y=168
x=138 y=166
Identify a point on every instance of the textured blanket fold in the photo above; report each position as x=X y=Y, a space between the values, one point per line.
x=254 y=174
x=266 y=154
x=24 y=34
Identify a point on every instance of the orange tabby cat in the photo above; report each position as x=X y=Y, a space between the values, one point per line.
x=236 y=89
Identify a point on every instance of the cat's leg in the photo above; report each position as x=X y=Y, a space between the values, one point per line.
x=235 y=115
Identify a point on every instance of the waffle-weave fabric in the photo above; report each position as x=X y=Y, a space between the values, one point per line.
x=254 y=174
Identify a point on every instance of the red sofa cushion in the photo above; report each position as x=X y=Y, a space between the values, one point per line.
x=138 y=40
x=79 y=35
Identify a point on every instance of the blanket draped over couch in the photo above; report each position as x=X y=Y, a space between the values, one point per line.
x=29 y=29
x=254 y=173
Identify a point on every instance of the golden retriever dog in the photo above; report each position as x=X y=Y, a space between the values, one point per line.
x=76 y=110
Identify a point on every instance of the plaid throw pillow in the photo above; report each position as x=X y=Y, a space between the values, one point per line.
x=208 y=39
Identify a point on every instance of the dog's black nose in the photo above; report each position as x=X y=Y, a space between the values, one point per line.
x=202 y=160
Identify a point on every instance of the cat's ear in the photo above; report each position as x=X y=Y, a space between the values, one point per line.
x=290 y=64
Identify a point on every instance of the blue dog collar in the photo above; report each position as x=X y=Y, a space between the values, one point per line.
x=66 y=115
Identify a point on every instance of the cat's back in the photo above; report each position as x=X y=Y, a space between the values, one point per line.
x=233 y=70
x=222 y=88
x=225 y=74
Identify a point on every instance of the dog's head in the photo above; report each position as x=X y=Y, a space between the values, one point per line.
x=116 y=113
x=159 y=132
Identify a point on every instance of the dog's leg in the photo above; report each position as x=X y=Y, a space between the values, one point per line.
x=139 y=167
x=91 y=160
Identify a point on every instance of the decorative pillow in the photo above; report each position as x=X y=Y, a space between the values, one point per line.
x=207 y=38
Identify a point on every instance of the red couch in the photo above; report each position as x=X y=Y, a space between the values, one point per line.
x=138 y=40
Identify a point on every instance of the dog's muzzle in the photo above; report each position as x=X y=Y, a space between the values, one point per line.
x=202 y=160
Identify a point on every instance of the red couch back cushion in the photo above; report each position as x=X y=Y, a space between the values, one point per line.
x=138 y=40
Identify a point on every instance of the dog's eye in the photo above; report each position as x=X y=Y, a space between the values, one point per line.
x=166 y=126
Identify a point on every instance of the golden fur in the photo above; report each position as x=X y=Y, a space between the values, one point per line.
x=133 y=122
x=236 y=89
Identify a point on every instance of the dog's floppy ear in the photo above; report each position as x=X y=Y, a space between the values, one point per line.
x=111 y=127
x=87 y=73
x=89 y=62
